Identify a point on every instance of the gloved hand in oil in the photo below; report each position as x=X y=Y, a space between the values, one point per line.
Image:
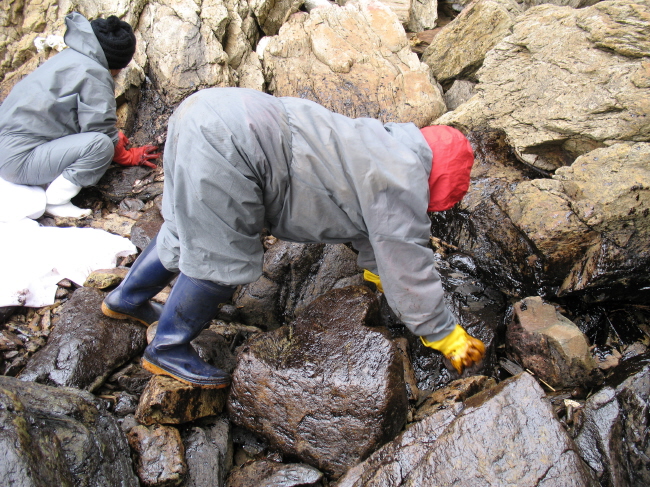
x=374 y=278
x=459 y=347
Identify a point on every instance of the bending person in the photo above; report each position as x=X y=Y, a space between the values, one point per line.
x=238 y=161
x=57 y=125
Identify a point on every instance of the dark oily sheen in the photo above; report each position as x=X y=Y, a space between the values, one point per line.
x=326 y=389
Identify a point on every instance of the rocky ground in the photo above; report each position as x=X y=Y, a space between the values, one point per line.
x=545 y=260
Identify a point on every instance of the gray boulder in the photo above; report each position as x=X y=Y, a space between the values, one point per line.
x=614 y=435
x=85 y=346
x=208 y=452
x=60 y=437
x=326 y=389
x=508 y=434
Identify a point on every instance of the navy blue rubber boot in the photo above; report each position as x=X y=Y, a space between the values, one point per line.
x=131 y=299
x=190 y=306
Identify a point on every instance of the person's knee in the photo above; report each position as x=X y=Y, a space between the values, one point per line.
x=102 y=146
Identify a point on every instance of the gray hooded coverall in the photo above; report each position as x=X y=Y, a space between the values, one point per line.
x=60 y=119
x=238 y=161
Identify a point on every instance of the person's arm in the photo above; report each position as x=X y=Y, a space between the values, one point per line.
x=96 y=109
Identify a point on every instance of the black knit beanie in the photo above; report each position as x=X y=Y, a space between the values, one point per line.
x=117 y=40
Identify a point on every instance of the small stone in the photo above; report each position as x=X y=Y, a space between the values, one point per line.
x=169 y=401
x=105 y=278
x=160 y=455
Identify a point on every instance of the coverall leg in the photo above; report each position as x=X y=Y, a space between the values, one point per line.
x=82 y=159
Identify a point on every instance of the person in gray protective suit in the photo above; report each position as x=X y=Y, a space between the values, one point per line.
x=238 y=161
x=57 y=125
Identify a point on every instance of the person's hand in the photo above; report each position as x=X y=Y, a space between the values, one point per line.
x=137 y=156
x=462 y=349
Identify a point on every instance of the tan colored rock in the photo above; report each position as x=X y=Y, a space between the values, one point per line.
x=105 y=278
x=550 y=345
x=423 y=15
x=114 y=223
x=183 y=52
x=460 y=47
x=159 y=455
x=567 y=81
x=168 y=401
x=355 y=60
x=251 y=73
x=590 y=222
x=271 y=15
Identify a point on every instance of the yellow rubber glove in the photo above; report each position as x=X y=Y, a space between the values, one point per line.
x=374 y=278
x=461 y=349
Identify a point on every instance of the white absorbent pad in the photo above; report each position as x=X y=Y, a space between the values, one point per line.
x=33 y=259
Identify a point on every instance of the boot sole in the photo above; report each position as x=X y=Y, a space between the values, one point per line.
x=154 y=369
x=120 y=316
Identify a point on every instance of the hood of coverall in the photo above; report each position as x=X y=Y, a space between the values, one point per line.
x=452 y=162
x=80 y=37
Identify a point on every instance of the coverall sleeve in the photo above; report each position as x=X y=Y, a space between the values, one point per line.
x=96 y=110
x=394 y=203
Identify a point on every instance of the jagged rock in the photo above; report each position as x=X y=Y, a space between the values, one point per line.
x=169 y=401
x=459 y=93
x=208 y=452
x=550 y=345
x=507 y=432
x=325 y=389
x=132 y=378
x=614 y=436
x=146 y=228
x=85 y=346
x=293 y=276
x=160 y=455
x=423 y=15
x=412 y=391
x=104 y=278
x=458 y=50
x=264 y=473
x=598 y=52
x=354 y=60
x=456 y=392
x=590 y=224
x=271 y=15
x=63 y=437
x=251 y=72
x=479 y=308
x=129 y=182
x=114 y=223
x=193 y=56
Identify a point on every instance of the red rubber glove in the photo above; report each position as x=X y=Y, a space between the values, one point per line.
x=137 y=156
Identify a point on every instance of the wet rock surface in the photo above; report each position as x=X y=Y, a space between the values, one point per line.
x=265 y=473
x=293 y=275
x=326 y=389
x=85 y=346
x=508 y=431
x=160 y=455
x=557 y=208
x=60 y=436
x=613 y=435
x=208 y=451
x=168 y=401
x=550 y=345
